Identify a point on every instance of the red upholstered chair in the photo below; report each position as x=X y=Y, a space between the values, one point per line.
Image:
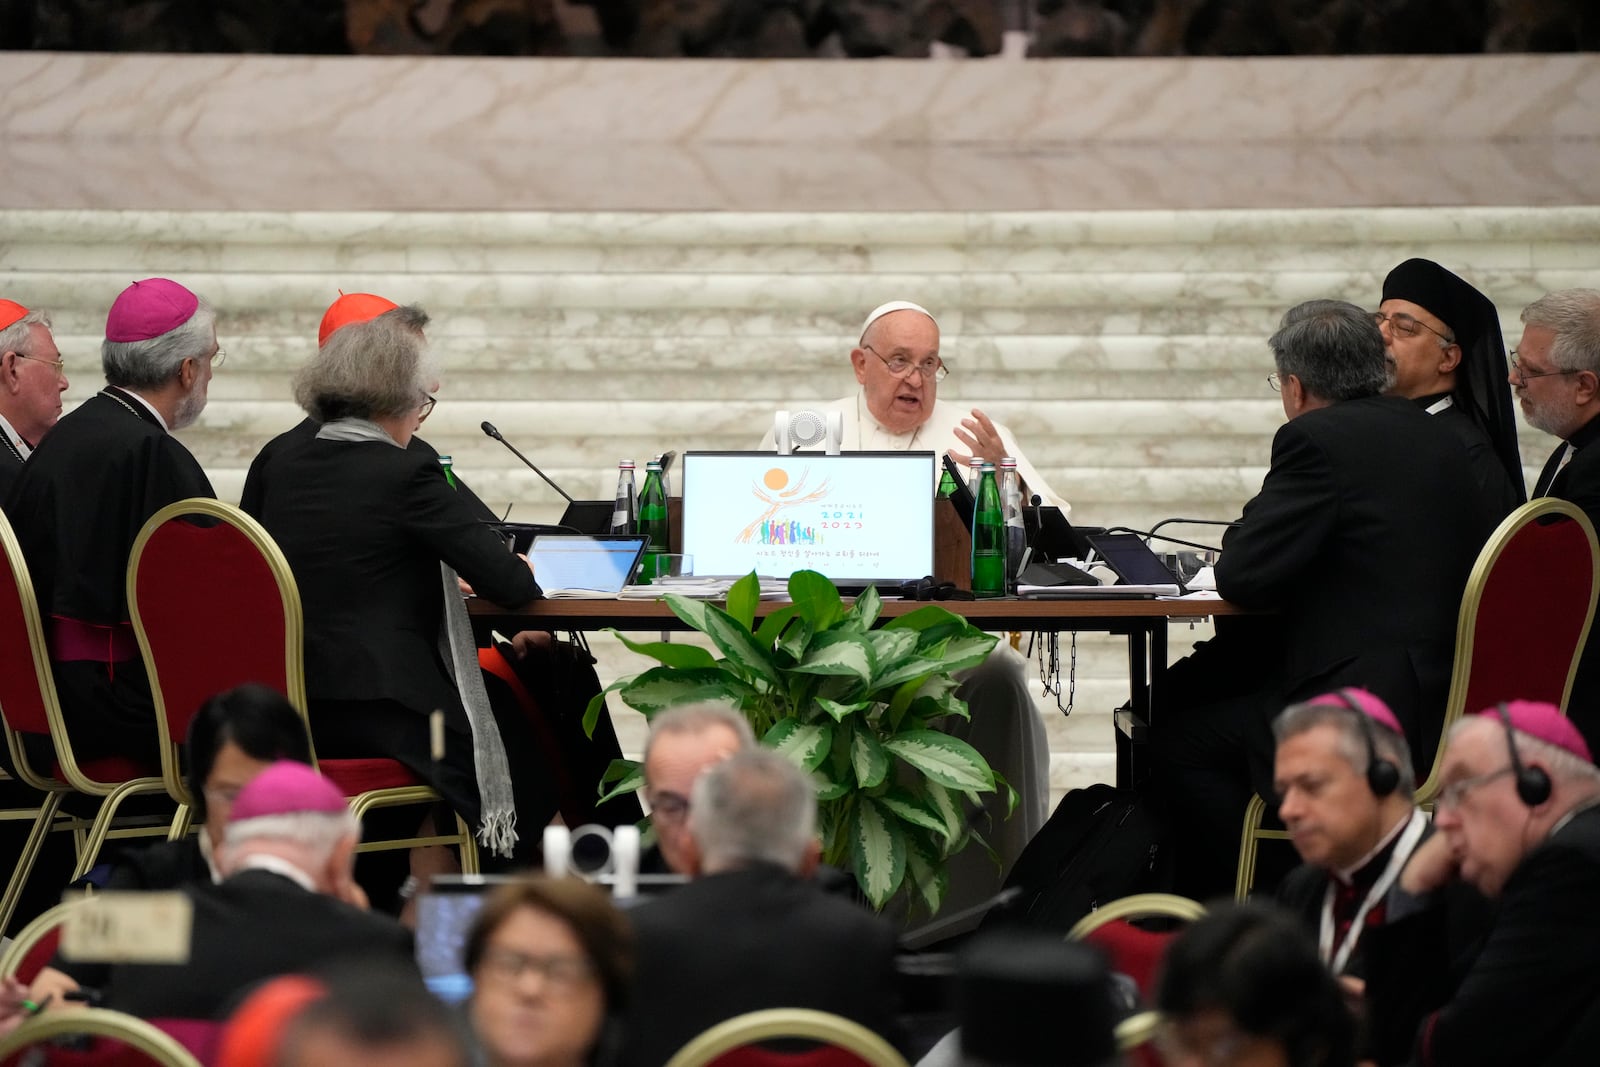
x=214 y=605
x=120 y=1041
x=35 y=944
x=30 y=708
x=736 y=1042
x=1136 y=1039
x=1524 y=621
x=1130 y=949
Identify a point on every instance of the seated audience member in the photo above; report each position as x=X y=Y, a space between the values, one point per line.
x=1518 y=817
x=373 y=1016
x=1444 y=345
x=551 y=961
x=234 y=736
x=281 y=908
x=1359 y=544
x=253 y=1033
x=85 y=492
x=1242 y=987
x=751 y=931
x=683 y=742
x=32 y=378
x=376 y=537
x=1555 y=371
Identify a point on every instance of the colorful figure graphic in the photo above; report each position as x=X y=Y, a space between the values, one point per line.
x=777 y=494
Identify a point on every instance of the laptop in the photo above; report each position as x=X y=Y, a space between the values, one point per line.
x=1134 y=563
x=1049 y=533
x=861 y=518
x=596 y=566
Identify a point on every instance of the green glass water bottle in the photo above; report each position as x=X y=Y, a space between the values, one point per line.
x=449 y=474
x=653 y=521
x=988 y=538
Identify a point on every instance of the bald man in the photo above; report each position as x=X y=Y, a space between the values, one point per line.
x=897 y=409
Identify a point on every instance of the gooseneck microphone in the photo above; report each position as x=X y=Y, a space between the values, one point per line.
x=488 y=427
x=1147 y=534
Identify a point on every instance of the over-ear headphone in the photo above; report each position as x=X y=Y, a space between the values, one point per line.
x=1383 y=777
x=1533 y=784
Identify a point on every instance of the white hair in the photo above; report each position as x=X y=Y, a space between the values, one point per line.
x=151 y=363
x=317 y=832
x=755 y=806
x=700 y=718
x=1573 y=315
x=15 y=338
x=1297 y=719
x=1563 y=766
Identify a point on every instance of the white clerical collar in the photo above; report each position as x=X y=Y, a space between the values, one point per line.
x=151 y=408
x=1348 y=874
x=277 y=865
x=1444 y=403
x=15 y=438
x=209 y=854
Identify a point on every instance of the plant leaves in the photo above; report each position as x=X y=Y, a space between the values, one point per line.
x=943 y=804
x=669 y=653
x=773 y=625
x=591 y=713
x=839 y=712
x=629 y=778
x=906 y=807
x=816 y=598
x=944 y=759
x=838 y=652
x=805 y=743
x=739 y=645
x=743 y=597
x=664 y=687
x=926 y=871
x=868 y=759
x=931 y=622
x=688 y=609
x=968 y=650
x=828 y=788
x=797 y=638
x=867 y=607
x=877 y=849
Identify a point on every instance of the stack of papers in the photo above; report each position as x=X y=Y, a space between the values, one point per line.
x=702 y=589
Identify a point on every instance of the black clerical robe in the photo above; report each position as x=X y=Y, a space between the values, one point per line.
x=77 y=507
x=1499 y=494
x=11 y=461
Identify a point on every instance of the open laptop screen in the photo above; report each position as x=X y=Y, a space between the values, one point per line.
x=857 y=518
x=601 y=563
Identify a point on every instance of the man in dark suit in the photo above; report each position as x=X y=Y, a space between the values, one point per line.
x=1518 y=817
x=32 y=379
x=1359 y=545
x=1556 y=373
x=752 y=931
x=88 y=488
x=287 y=904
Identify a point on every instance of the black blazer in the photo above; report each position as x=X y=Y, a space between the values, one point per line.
x=364 y=526
x=1533 y=985
x=1494 y=481
x=1361 y=540
x=256 y=925
x=10 y=466
x=1579 y=483
x=731 y=943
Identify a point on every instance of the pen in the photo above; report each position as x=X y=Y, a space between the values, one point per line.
x=34 y=1009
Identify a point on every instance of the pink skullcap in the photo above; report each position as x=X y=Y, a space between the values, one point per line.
x=351 y=307
x=1368 y=703
x=287 y=788
x=10 y=312
x=1545 y=722
x=149 y=309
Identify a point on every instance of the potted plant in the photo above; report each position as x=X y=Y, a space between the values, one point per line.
x=856 y=706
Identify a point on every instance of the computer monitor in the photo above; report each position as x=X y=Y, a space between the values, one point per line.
x=858 y=518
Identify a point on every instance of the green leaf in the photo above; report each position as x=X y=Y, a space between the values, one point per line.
x=968 y=650
x=867 y=607
x=739 y=645
x=665 y=687
x=629 y=778
x=927 y=872
x=669 y=653
x=878 y=851
x=943 y=804
x=840 y=712
x=838 y=653
x=931 y=621
x=892 y=652
x=830 y=789
x=597 y=703
x=743 y=598
x=868 y=759
x=816 y=598
x=796 y=639
x=943 y=758
x=907 y=809
x=773 y=625
x=805 y=743
x=688 y=609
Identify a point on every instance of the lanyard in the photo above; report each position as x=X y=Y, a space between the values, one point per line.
x=1397 y=860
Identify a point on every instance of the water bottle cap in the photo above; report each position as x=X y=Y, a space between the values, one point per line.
x=652 y=465
x=987 y=466
x=444 y=458
x=975 y=461
x=625 y=465
x=1008 y=461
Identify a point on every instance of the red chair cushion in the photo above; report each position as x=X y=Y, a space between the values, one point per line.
x=356 y=776
x=200 y=1036
x=756 y=1056
x=34 y=960
x=112 y=769
x=1131 y=951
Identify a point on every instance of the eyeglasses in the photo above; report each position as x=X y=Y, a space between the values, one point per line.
x=565 y=973
x=60 y=365
x=666 y=807
x=1453 y=793
x=1524 y=375
x=220 y=358
x=1403 y=325
x=1275 y=381
x=900 y=367
x=428 y=403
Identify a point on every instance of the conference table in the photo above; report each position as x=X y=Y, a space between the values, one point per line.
x=1142 y=621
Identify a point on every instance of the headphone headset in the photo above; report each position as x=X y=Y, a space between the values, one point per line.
x=1533 y=783
x=1383 y=777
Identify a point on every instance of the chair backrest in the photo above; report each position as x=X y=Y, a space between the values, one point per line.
x=35 y=944
x=128 y=1040
x=214 y=605
x=1525 y=614
x=733 y=1043
x=1138 y=906
x=27 y=689
x=1136 y=1039
x=1129 y=949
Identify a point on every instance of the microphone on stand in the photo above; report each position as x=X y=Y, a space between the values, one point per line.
x=488 y=427
x=1148 y=534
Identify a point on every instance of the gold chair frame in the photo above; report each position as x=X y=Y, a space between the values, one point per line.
x=1139 y=1029
x=30 y=935
x=162 y=1048
x=1461 y=669
x=1137 y=906
x=294 y=674
x=804 y=1023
